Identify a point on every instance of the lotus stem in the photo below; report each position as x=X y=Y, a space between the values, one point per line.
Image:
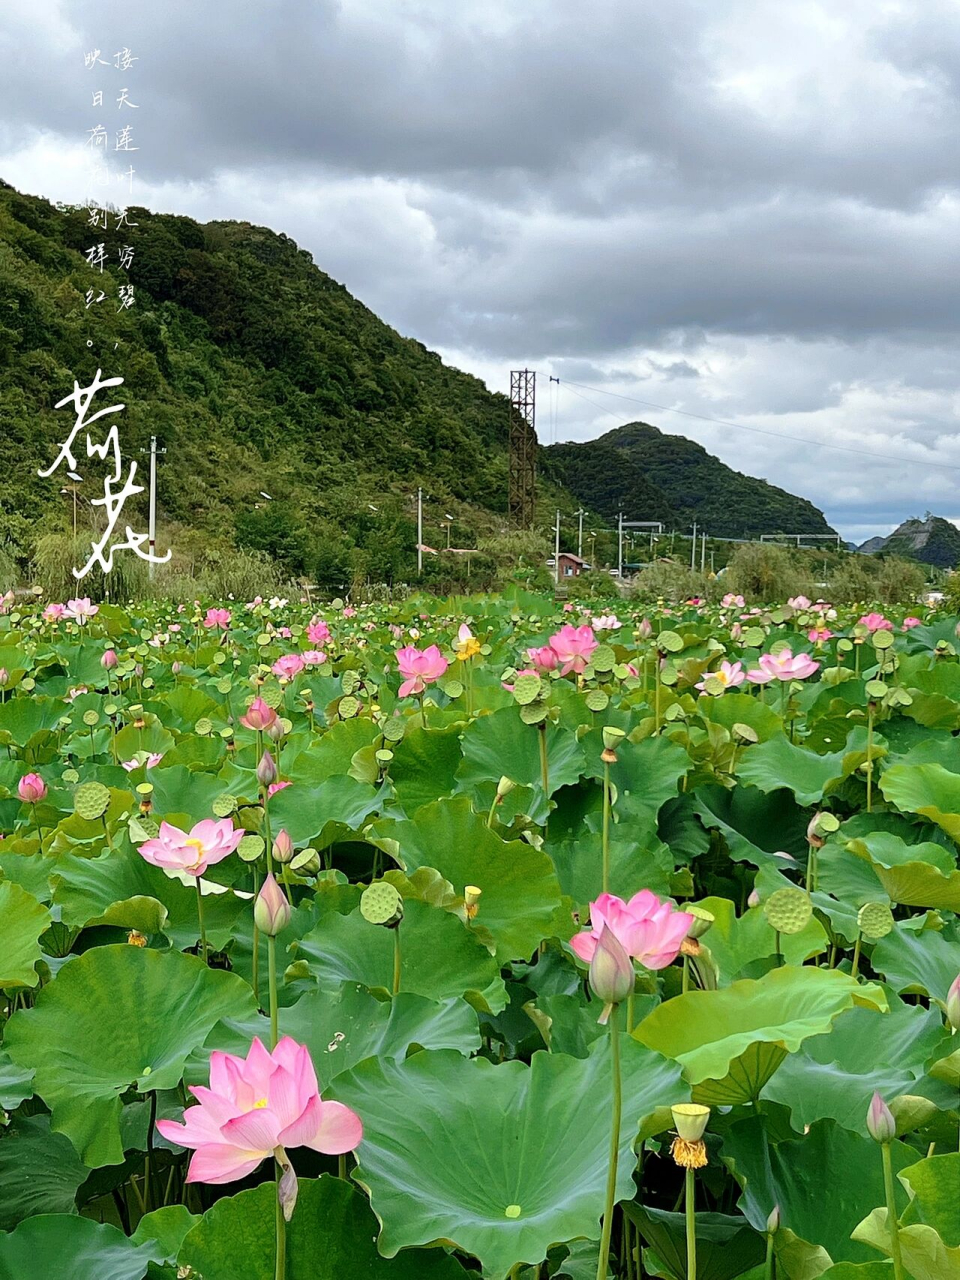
x=544 y=771
x=690 y=1212
x=272 y=979
x=855 y=967
x=893 y=1224
x=869 y=760
x=396 y=960
x=605 y=843
x=203 y=932
x=280 y=1271
x=614 y=1146
x=768 y=1264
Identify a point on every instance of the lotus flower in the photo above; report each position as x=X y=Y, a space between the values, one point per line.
x=574 y=647
x=466 y=645
x=875 y=622
x=259 y=716
x=783 y=666
x=31 y=788
x=606 y=622
x=255 y=1105
x=313 y=657
x=729 y=675
x=217 y=619
x=318 y=632
x=798 y=602
x=80 y=610
x=419 y=668
x=288 y=667
x=544 y=659
x=649 y=930
x=206 y=844
x=910 y=623
x=732 y=601
x=54 y=612
x=148 y=759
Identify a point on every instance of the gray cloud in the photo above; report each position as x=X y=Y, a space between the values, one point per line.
x=744 y=210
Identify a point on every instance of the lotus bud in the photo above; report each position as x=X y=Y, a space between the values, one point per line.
x=4 y=677
x=176 y=667
x=275 y=731
x=612 y=975
x=471 y=900
x=259 y=715
x=645 y=629
x=266 y=770
x=754 y=899
x=504 y=787
x=109 y=660
x=283 y=847
x=952 y=1004
x=881 y=1125
x=271 y=911
x=773 y=1221
x=31 y=788
x=288 y=1186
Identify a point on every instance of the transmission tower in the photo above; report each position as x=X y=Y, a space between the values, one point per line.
x=523 y=446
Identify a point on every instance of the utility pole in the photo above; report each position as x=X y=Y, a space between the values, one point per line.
x=419 y=533
x=703 y=553
x=556 y=552
x=693 y=548
x=152 y=525
x=620 y=546
x=580 y=534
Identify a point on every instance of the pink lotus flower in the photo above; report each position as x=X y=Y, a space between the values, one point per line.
x=783 y=666
x=910 y=623
x=259 y=716
x=527 y=671
x=350 y=612
x=256 y=1105
x=217 y=619
x=274 y=787
x=318 y=632
x=649 y=930
x=544 y=659
x=288 y=667
x=875 y=622
x=54 y=612
x=574 y=647
x=207 y=843
x=80 y=610
x=313 y=657
x=31 y=788
x=731 y=601
x=798 y=602
x=729 y=675
x=76 y=691
x=606 y=622
x=419 y=668
x=819 y=634
x=142 y=758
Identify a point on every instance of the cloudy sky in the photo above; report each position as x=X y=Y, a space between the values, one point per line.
x=746 y=210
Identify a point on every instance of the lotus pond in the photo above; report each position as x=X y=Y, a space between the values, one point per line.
x=486 y=936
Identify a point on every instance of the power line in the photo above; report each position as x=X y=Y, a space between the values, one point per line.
x=763 y=431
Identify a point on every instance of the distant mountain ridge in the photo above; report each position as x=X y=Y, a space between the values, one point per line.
x=650 y=475
x=932 y=540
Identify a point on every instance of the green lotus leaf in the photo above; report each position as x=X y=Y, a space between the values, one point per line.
x=928 y=789
x=16 y=1083
x=924 y=1253
x=116 y=1018
x=22 y=921
x=727 y=1247
x=741 y=708
x=498 y=745
x=344 y=1026
x=521 y=903
x=65 y=1245
x=183 y=796
x=318 y=814
x=165 y=1229
x=330 y=1237
x=424 y=766
x=834 y=1076
x=440 y=958
x=755 y=826
x=934 y=1186
x=504 y=1161
x=795 y=1173
x=737 y=941
x=922 y=960
x=709 y=1032
x=779 y=763
x=39 y=1171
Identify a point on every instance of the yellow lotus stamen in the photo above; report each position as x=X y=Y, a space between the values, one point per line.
x=259 y=1104
x=689 y=1155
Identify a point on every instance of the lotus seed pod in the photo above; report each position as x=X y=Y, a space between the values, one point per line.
x=875 y=921
x=690 y=1120
x=702 y=920
x=380 y=903
x=612 y=737
x=788 y=910
x=471 y=900
x=504 y=787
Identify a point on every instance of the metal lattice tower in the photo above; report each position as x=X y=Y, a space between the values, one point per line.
x=523 y=446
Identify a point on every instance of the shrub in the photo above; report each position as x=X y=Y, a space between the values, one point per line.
x=766 y=573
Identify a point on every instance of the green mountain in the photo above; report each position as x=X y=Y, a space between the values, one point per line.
x=931 y=540
x=257 y=372
x=643 y=471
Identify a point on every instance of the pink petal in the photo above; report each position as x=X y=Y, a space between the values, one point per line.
x=220 y=1162
x=340 y=1130
x=301 y=1130
x=257 y=1130
x=584 y=945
